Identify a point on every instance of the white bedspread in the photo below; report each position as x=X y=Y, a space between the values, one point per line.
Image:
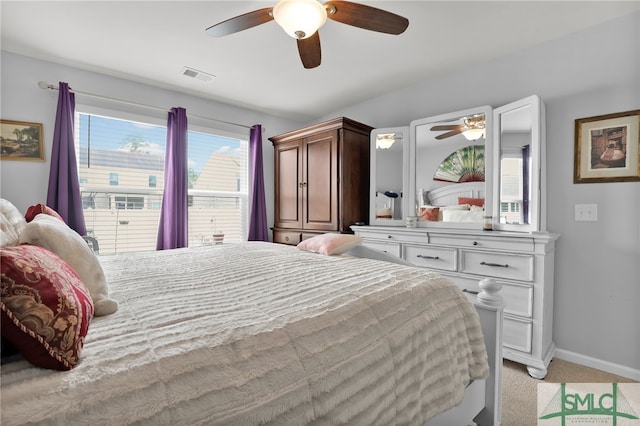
x=259 y=333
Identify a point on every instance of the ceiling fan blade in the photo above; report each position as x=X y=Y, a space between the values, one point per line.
x=240 y=22
x=449 y=134
x=446 y=127
x=309 y=49
x=367 y=17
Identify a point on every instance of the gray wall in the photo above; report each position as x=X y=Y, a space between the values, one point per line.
x=597 y=268
x=25 y=182
x=597 y=277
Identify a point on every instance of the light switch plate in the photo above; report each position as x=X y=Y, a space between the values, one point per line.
x=586 y=212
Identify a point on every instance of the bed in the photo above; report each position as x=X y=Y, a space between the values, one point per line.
x=262 y=333
x=459 y=202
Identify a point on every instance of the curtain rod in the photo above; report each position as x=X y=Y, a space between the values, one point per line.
x=44 y=86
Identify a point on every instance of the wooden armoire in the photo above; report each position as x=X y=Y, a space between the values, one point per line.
x=321 y=179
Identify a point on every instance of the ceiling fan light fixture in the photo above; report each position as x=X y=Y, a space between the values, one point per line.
x=384 y=141
x=473 y=134
x=300 y=18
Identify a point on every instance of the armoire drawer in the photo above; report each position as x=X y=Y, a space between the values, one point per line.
x=286 y=237
x=499 y=265
x=432 y=257
x=391 y=248
x=517 y=334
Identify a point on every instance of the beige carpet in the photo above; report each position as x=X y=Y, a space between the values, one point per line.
x=519 y=390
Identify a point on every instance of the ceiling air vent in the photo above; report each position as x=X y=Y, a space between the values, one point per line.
x=198 y=75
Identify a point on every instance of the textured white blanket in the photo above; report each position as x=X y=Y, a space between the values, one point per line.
x=259 y=333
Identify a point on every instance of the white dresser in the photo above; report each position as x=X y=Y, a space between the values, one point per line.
x=521 y=262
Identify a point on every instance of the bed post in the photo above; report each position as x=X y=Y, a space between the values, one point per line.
x=490 y=306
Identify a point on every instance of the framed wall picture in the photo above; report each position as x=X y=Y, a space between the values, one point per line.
x=21 y=140
x=607 y=148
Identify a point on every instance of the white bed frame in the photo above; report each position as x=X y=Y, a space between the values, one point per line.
x=482 y=402
x=448 y=195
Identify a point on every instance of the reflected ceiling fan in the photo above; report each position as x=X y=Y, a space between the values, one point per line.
x=471 y=128
x=301 y=19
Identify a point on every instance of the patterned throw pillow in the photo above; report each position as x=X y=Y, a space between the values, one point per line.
x=46 y=309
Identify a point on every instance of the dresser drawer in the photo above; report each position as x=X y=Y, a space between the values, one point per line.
x=499 y=265
x=432 y=257
x=286 y=237
x=517 y=334
x=490 y=243
x=391 y=248
x=402 y=235
x=518 y=298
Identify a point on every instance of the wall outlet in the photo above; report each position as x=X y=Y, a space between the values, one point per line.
x=586 y=212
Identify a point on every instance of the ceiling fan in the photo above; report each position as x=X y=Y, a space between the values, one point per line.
x=471 y=128
x=301 y=19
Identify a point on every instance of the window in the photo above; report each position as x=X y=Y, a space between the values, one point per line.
x=128 y=202
x=121 y=168
x=113 y=179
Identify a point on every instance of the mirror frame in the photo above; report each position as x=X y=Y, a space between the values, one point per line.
x=489 y=158
x=373 y=175
x=537 y=203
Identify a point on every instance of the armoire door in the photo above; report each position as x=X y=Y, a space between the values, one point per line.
x=320 y=182
x=288 y=185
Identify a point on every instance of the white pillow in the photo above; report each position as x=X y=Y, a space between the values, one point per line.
x=12 y=223
x=53 y=234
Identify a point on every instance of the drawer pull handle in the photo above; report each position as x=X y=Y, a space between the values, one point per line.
x=424 y=256
x=389 y=236
x=286 y=238
x=494 y=264
x=470 y=291
x=475 y=243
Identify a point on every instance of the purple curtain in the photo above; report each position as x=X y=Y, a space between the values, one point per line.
x=258 y=213
x=63 y=194
x=173 y=231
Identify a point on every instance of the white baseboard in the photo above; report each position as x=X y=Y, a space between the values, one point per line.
x=609 y=367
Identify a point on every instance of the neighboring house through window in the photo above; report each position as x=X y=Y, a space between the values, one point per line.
x=121 y=168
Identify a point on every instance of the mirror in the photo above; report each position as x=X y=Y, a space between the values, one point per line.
x=389 y=146
x=450 y=169
x=519 y=182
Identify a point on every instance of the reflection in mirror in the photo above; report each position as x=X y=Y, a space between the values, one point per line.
x=450 y=168
x=515 y=166
x=388 y=178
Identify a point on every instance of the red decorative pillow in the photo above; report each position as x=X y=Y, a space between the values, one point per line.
x=471 y=201
x=46 y=309
x=36 y=209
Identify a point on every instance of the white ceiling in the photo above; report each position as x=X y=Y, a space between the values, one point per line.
x=259 y=68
